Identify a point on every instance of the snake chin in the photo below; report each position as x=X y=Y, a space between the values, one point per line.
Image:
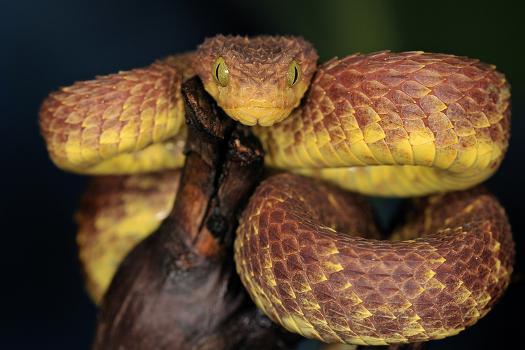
x=264 y=116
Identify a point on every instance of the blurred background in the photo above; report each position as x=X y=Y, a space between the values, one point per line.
x=48 y=44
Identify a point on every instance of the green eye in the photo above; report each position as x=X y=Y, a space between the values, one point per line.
x=294 y=73
x=220 y=71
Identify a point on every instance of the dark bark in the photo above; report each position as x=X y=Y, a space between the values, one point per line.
x=178 y=289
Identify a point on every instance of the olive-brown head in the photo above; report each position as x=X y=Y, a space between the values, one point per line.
x=257 y=80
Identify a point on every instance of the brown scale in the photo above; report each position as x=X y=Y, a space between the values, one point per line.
x=340 y=288
x=92 y=121
x=450 y=97
x=262 y=59
x=107 y=219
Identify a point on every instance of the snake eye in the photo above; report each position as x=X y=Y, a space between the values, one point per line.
x=220 y=72
x=294 y=73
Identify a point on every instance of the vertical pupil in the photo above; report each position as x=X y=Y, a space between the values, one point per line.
x=295 y=75
x=217 y=71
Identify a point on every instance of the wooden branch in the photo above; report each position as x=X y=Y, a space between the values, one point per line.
x=207 y=132
x=178 y=288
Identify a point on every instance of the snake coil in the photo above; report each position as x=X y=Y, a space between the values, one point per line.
x=391 y=124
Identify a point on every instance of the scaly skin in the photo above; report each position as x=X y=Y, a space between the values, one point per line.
x=116 y=213
x=308 y=274
x=425 y=122
x=396 y=124
x=130 y=122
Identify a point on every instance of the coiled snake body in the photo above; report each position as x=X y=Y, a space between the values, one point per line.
x=397 y=124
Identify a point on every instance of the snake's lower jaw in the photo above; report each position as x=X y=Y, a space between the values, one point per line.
x=264 y=116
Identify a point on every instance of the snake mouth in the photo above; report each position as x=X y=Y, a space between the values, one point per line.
x=262 y=115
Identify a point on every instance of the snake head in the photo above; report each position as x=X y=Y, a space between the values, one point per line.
x=257 y=80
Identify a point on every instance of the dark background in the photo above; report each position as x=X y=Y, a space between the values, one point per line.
x=47 y=44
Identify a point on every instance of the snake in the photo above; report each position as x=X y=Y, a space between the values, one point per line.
x=409 y=124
